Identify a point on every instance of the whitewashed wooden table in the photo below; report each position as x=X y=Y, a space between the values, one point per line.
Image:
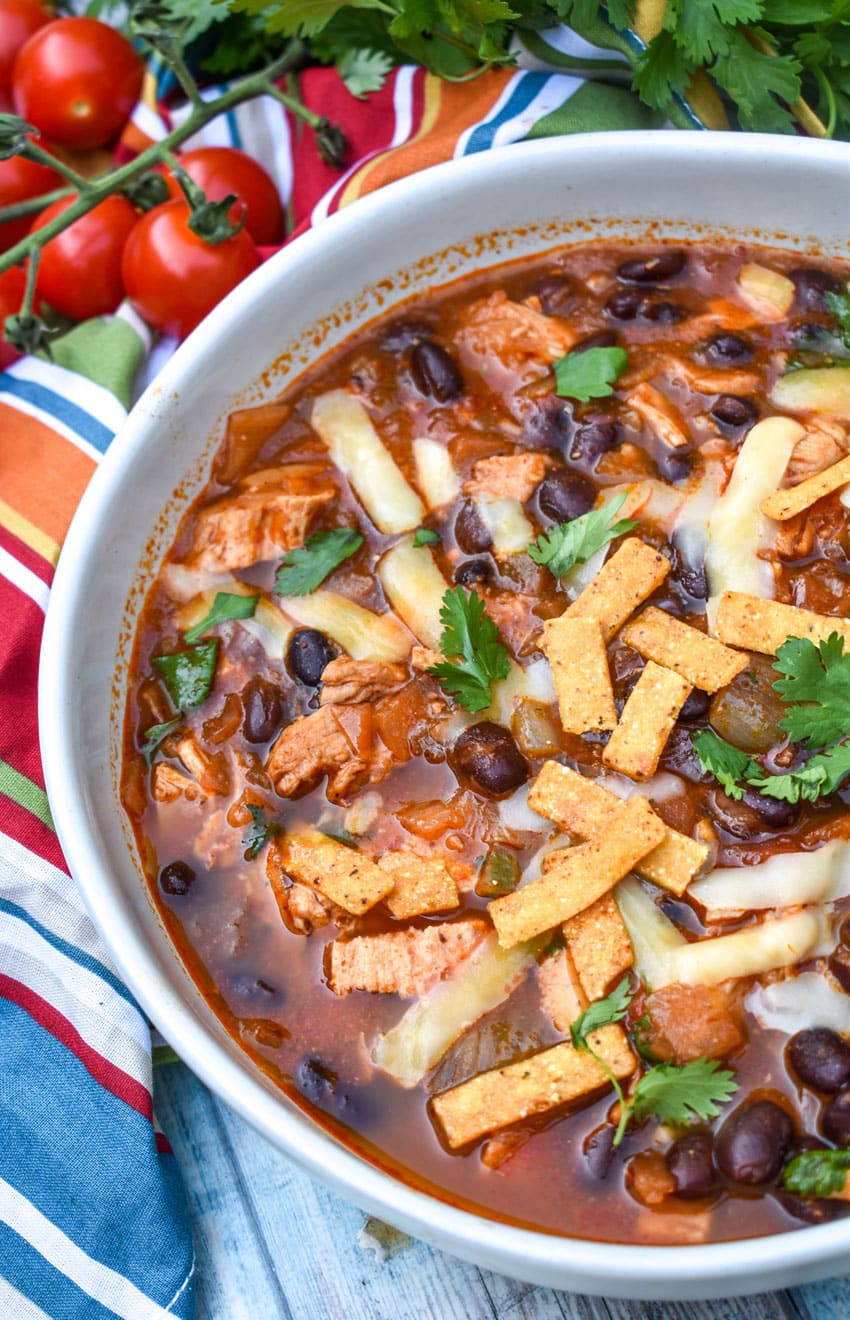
x=272 y=1244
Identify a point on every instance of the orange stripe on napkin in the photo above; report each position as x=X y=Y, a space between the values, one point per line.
x=42 y=475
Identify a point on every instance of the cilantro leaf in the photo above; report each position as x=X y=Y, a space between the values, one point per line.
x=259 y=832
x=590 y=373
x=662 y=72
x=818 y=675
x=156 y=735
x=728 y=764
x=306 y=18
x=227 y=605
x=475 y=655
x=757 y=83
x=601 y=1013
x=188 y=675
x=817 y=1172
x=364 y=71
x=305 y=569
x=821 y=774
x=687 y=1094
x=570 y=543
x=838 y=304
x=424 y=536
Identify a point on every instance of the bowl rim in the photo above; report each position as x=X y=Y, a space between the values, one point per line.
x=602 y=1266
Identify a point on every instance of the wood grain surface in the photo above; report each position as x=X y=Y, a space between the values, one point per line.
x=272 y=1244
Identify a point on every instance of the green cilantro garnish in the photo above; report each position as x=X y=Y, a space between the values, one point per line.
x=188 y=675
x=259 y=832
x=839 y=305
x=363 y=71
x=589 y=373
x=819 y=676
x=226 y=606
x=305 y=569
x=156 y=735
x=728 y=764
x=570 y=543
x=686 y=1093
x=475 y=655
x=817 y=1172
x=820 y=775
x=424 y=536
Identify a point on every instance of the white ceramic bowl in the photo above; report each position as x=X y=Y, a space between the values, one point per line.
x=431 y=228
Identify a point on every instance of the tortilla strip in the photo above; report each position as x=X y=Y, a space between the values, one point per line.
x=586 y=810
x=763 y=625
x=646 y=722
x=579 y=877
x=341 y=873
x=784 y=504
x=422 y=884
x=599 y=945
x=575 y=649
x=554 y=1077
x=702 y=661
x=623 y=583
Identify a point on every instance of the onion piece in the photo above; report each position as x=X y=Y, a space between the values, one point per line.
x=801 y=1002
x=363 y=634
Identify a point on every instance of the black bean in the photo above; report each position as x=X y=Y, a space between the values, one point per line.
x=564 y=495
x=679 y=756
x=663 y=313
x=401 y=335
x=691 y=578
x=752 y=1143
x=487 y=755
x=811 y=285
x=316 y=1080
x=820 y=1058
x=598 y=1150
x=555 y=292
x=470 y=530
x=263 y=710
x=772 y=812
x=690 y=1161
x=593 y=439
x=473 y=572
x=599 y=339
x=434 y=372
x=663 y=266
x=839 y=965
x=176 y=879
x=727 y=348
x=674 y=465
x=308 y=653
x=809 y=1210
x=732 y=410
x=836 y=1120
x=624 y=304
x=550 y=427
x=695 y=707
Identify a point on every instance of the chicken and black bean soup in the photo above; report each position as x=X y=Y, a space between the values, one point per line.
x=488 y=741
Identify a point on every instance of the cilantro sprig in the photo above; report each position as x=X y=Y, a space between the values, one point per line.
x=156 y=735
x=226 y=606
x=570 y=543
x=475 y=656
x=305 y=568
x=188 y=675
x=817 y=1172
x=589 y=373
x=815 y=778
x=674 y=1093
x=728 y=764
x=424 y=536
x=260 y=831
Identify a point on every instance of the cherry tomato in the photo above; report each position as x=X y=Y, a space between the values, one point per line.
x=172 y=277
x=80 y=270
x=77 y=80
x=220 y=171
x=18 y=20
x=12 y=285
x=19 y=180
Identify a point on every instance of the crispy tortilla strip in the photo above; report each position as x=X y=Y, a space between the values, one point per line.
x=575 y=649
x=580 y=877
x=763 y=625
x=422 y=884
x=599 y=946
x=554 y=1077
x=648 y=716
x=342 y=874
x=586 y=810
x=622 y=584
x=784 y=504
x=402 y=962
x=702 y=661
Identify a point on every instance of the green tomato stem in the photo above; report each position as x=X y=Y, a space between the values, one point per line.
x=32 y=151
x=32 y=205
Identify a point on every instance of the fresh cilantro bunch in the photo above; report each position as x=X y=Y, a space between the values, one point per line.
x=681 y=1094
x=570 y=543
x=475 y=655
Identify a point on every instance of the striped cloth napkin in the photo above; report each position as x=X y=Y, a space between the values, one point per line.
x=93 y=1218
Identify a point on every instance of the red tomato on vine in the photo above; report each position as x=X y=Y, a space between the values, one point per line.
x=77 y=81
x=173 y=277
x=19 y=19
x=80 y=269
x=220 y=171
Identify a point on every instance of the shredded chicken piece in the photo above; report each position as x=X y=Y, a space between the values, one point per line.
x=245 y=529
x=711 y=380
x=659 y=415
x=303 y=909
x=169 y=784
x=821 y=446
x=346 y=681
x=209 y=771
x=421 y=659
x=508 y=476
x=333 y=741
x=405 y=962
x=511 y=344
x=558 y=995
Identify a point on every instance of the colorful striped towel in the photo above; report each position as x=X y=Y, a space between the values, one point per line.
x=93 y=1221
